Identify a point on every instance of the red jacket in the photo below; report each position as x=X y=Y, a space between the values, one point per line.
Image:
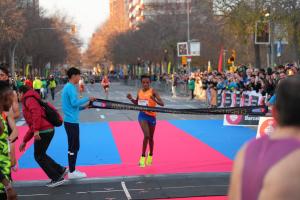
x=34 y=115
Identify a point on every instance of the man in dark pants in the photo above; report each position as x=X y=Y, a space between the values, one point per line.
x=52 y=86
x=43 y=132
x=71 y=105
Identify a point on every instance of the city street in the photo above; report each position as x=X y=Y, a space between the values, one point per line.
x=236 y=61
x=149 y=185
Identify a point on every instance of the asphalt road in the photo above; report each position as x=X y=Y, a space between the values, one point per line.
x=139 y=187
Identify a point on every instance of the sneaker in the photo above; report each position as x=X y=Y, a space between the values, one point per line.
x=149 y=160
x=53 y=183
x=66 y=171
x=142 y=161
x=76 y=175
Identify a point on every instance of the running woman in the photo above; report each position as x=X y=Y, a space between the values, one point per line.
x=105 y=84
x=81 y=86
x=147 y=96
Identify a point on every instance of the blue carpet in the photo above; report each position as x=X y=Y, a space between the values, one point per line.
x=97 y=147
x=225 y=139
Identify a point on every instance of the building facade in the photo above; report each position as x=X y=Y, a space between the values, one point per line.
x=30 y=4
x=142 y=10
x=118 y=14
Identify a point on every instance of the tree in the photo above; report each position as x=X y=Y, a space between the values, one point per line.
x=49 y=39
x=12 y=26
x=288 y=15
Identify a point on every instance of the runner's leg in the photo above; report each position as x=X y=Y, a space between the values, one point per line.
x=151 y=139
x=145 y=128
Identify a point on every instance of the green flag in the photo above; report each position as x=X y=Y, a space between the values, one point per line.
x=169 y=67
x=27 y=70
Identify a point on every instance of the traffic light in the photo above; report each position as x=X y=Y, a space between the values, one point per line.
x=73 y=29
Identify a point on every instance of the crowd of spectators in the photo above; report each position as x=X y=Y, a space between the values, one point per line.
x=205 y=85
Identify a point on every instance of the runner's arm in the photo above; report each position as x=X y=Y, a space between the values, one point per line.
x=15 y=106
x=12 y=124
x=134 y=101
x=157 y=98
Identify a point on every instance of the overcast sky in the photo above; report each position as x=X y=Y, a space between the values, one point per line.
x=87 y=14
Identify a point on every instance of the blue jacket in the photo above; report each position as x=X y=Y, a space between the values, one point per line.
x=71 y=104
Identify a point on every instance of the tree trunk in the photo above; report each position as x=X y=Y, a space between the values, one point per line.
x=12 y=51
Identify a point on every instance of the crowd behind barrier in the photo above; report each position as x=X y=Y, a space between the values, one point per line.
x=245 y=86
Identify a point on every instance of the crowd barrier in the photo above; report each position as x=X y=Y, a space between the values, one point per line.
x=227 y=99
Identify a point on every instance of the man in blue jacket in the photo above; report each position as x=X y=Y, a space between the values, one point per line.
x=71 y=105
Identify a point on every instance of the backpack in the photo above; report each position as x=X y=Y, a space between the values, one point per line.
x=51 y=114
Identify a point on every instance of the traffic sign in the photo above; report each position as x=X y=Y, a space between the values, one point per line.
x=182 y=49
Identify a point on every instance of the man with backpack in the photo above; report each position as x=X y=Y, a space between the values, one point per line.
x=42 y=129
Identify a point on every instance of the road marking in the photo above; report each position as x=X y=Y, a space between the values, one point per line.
x=102 y=116
x=189 y=186
x=81 y=192
x=32 y=195
x=126 y=190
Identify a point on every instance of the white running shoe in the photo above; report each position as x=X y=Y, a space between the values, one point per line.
x=76 y=175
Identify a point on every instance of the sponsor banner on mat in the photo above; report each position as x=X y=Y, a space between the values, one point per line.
x=266 y=126
x=240 y=120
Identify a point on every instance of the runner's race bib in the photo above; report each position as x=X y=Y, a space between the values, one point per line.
x=143 y=103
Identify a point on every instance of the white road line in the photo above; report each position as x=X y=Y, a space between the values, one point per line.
x=126 y=190
x=32 y=195
x=81 y=192
x=190 y=186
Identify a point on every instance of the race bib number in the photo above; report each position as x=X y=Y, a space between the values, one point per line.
x=143 y=103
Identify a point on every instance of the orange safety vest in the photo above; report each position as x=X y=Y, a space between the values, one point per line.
x=144 y=99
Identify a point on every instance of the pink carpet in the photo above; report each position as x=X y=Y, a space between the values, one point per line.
x=175 y=152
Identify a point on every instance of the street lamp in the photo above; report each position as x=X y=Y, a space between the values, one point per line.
x=269 y=14
x=188 y=33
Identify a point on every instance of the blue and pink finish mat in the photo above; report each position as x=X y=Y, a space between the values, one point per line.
x=113 y=149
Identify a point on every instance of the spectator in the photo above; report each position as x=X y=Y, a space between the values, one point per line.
x=28 y=82
x=37 y=85
x=267 y=168
x=191 y=86
x=174 y=84
x=213 y=92
x=43 y=132
x=52 y=85
x=6 y=189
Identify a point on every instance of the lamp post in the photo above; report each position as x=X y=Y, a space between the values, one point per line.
x=269 y=14
x=188 y=33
